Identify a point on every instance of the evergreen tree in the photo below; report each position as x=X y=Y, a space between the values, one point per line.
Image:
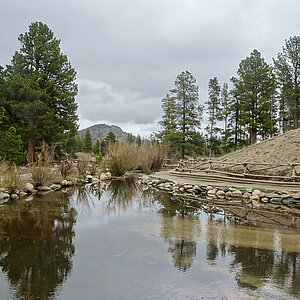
x=79 y=144
x=139 y=140
x=130 y=138
x=214 y=112
x=88 y=144
x=287 y=66
x=255 y=88
x=111 y=138
x=96 y=148
x=40 y=89
x=169 y=119
x=12 y=147
x=189 y=112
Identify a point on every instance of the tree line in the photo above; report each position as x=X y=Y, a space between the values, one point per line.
x=262 y=101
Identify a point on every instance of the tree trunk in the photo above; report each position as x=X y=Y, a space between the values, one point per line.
x=296 y=119
x=30 y=154
x=252 y=136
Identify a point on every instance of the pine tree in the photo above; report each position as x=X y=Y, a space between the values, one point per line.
x=189 y=112
x=214 y=112
x=255 y=88
x=40 y=89
x=88 y=144
x=96 y=148
x=169 y=119
x=287 y=66
x=139 y=140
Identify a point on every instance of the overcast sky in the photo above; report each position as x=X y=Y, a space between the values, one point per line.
x=127 y=53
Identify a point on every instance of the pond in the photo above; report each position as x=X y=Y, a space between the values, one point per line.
x=124 y=241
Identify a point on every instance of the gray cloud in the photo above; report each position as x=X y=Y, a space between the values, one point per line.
x=128 y=52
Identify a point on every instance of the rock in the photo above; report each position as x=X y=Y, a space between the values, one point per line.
x=64 y=182
x=228 y=194
x=236 y=193
x=22 y=194
x=268 y=195
x=30 y=198
x=254 y=198
x=181 y=189
x=211 y=193
x=275 y=200
x=255 y=203
x=55 y=187
x=4 y=201
x=4 y=195
x=29 y=187
x=246 y=195
x=14 y=196
x=89 y=178
x=107 y=176
x=296 y=196
x=95 y=180
x=220 y=194
x=209 y=187
x=43 y=188
x=256 y=193
x=264 y=200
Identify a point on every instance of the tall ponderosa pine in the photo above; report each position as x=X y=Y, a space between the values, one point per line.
x=40 y=89
x=255 y=88
x=214 y=112
x=186 y=94
x=287 y=66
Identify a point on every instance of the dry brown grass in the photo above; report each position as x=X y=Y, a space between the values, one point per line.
x=11 y=178
x=65 y=168
x=151 y=159
x=42 y=171
x=121 y=158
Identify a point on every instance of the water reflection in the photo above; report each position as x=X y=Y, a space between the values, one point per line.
x=125 y=194
x=36 y=245
x=37 y=240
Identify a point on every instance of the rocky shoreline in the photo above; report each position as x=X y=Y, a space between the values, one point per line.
x=29 y=189
x=254 y=198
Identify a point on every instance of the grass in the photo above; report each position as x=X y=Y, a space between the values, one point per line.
x=42 y=171
x=121 y=158
x=11 y=178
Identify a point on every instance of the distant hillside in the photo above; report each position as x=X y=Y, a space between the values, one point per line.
x=100 y=131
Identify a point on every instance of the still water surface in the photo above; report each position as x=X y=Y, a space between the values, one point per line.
x=123 y=242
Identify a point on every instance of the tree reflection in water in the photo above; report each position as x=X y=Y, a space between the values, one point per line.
x=126 y=193
x=180 y=228
x=36 y=245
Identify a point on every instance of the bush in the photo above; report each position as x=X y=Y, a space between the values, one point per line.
x=82 y=168
x=121 y=158
x=151 y=159
x=65 y=168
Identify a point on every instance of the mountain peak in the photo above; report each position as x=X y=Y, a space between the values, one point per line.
x=100 y=132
